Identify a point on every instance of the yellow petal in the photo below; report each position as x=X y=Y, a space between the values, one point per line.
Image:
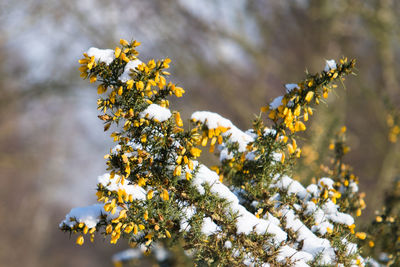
x=309 y=96
x=123 y=42
x=80 y=240
x=117 y=52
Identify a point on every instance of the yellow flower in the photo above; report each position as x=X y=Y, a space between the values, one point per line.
x=299 y=126
x=195 y=152
x=166 y=63
x=309 y=96
x=305 y=116
x=351 y=227
x=204 y=141
x=326 y=194
x=109 y=229
x=178 y=170
x=129 y=84
x=151 y=64
x=117 y=52
x=178 y=91
x=80 y=240
x=123 y=42
x=139 y=85
x=124 y=158
x=190 y=165
x=167 y=233
x=101 y=89
x=142 y=181
x=136 y=43
x=127 y=170
x=297 y=110
x=290 y=148
x=120 y=90
x=164 y=195
x=361 y=235
x=358 y=212
x=272 y=114
x=178 y=119
x=150 y=194
x=124 y=57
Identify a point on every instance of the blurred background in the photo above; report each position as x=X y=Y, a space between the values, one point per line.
x=232 y=57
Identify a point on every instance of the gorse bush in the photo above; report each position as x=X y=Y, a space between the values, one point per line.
x=244 y=211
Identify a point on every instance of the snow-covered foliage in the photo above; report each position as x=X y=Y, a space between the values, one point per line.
x=248 y=207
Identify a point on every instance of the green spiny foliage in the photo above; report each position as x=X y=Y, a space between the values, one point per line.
x=247 y=210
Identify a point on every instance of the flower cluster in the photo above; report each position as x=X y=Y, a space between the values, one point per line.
x=245 y=211
x=393 y=121
x=383 y=235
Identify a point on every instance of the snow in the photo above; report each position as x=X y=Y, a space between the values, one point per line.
x=89 y=215
x=102 y=55
x=156 y=112
x=290 y=87
x=228 y=244
x=188 y=212
x=137 y=192
x=246 y=221
x=326 y=182
x=292 y=186
x=354 y=187
x=276 y=102
x=131 y=65
x=350 y=247
x=313 y=190
x=322 y=228
x=310 y=208
x=214 y=120
x=235 y=135
x=330 y=65
x=126 y=255
x=332 y=213
x=311 y=243
x=209 y=227
x=160 y=252
x=211 y=119
x=298 y=258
